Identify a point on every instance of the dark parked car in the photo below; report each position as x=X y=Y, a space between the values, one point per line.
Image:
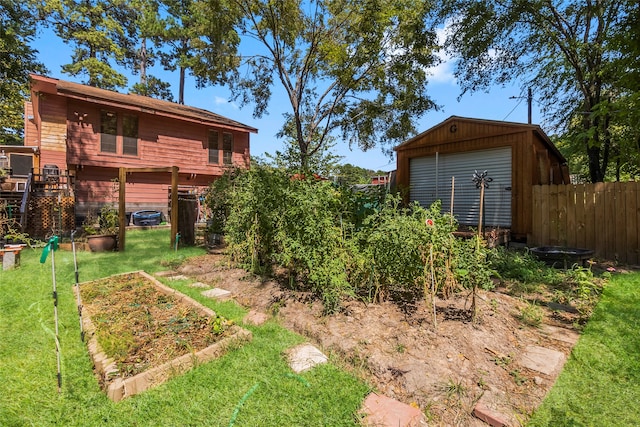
x=147 y=218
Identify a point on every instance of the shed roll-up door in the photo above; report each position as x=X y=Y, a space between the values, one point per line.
x=430 y=179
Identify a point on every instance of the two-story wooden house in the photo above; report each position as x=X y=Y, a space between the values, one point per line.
x=93 y=132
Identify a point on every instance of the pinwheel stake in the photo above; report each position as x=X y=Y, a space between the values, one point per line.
x=51 y=246
x=482 y=181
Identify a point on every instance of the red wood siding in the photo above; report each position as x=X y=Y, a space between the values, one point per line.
x=30 y=128
x=67 y=130
x=161 y=142
x=148 y=190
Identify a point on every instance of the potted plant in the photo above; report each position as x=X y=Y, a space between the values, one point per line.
x=5 y=186
x=102 y=233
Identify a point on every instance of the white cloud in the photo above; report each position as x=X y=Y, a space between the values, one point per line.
x=220 y=101
x=443 y=72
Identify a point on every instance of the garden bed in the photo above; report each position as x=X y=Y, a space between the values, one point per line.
x=141 y=333
x=445 y=369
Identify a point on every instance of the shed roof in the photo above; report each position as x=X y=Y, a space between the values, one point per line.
x=140 y=103
x=507 y=126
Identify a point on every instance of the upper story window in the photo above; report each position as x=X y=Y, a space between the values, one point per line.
x=130 y=135
x=108 y=131
x=220 y=147
x=214 y=152
x=118 y=133
x=227 y=148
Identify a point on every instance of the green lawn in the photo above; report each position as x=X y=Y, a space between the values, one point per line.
x=249 y=386
x=600 y=383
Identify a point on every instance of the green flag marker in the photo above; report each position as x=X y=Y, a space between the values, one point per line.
x=52 y=244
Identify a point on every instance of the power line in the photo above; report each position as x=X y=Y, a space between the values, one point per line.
x=514 y=108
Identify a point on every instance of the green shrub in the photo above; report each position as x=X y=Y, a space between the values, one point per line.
x=336 y=242
x=522 y=266
x=257 y=198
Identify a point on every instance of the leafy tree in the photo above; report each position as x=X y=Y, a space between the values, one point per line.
x=153 y=87
x=200 y=37
x=322 y=162
x=148 y=28
x=17 y=60
x=358 y=67
x=627 y=107
x=349 y=174
x=102 y=32
x=564 y=50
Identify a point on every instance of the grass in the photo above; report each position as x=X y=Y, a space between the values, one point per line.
x=600 y=383
x=249 y=386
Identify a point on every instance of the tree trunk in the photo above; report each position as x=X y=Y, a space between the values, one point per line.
x=595 y=172
x=143 y=63
x=181 y=92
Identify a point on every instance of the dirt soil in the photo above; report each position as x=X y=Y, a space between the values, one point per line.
x=444 y=366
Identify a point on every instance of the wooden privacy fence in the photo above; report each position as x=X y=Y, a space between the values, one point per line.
x=604 y=217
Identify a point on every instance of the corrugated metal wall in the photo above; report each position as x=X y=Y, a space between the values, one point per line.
x=430 y=179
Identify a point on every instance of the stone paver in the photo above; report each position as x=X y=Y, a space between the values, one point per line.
x=199 y=285
x=542 y=359
x=9 y=260
x=304 y=357
x=561 y=334
x=255 y=318
x=489 y=416
x=382 y=411
x=165 y=273
x=217 y=293
x=178 y=277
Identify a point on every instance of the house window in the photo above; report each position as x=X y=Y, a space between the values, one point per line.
x=21 y=164
x=227 y=148
x=108 y=131
x=214 y=152
x=130 y=135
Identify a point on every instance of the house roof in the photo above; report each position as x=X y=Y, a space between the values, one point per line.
x=140 y=103
x=517 y=127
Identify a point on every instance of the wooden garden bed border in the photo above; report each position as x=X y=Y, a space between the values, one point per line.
x=118 y=388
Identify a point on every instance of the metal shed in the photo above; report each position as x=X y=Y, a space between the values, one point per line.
x=516 y=156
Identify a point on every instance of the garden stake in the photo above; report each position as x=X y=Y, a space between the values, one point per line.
x=79 y=301
x=481 y=180
x=453 y=190
x=51 y=246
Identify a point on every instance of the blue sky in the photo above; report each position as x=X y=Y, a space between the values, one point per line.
x=443 y=89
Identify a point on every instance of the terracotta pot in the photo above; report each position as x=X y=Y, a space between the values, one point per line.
x=102 y=242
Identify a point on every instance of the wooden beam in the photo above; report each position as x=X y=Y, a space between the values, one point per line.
x=122 y=178
x=167 y=169
x=174 y=204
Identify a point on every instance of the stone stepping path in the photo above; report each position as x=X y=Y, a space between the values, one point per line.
x=383 y=411
x=217 y=294
x=542 y=359
x=378 y=410
x=304 y=357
